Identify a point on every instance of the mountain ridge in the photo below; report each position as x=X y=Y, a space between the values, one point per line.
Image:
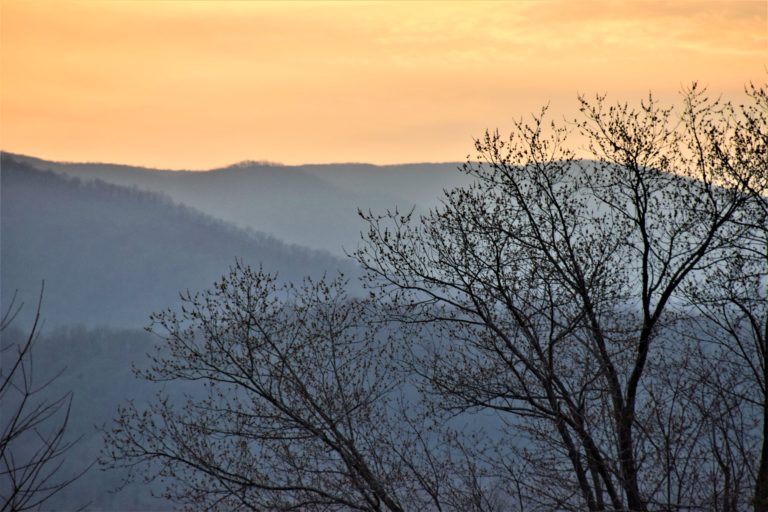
x=246 y=163
x=111 y=255
x=313 y=205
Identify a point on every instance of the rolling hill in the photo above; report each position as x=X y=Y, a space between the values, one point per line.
x=111 y=255
x=310 y=205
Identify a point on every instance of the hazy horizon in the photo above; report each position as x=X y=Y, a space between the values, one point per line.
x=232 y=163
x=197 y=84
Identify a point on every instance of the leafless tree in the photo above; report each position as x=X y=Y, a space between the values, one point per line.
x=556 y=304
x=732 y=297
x=556 y=286
x=33 y=442
x=301 y=406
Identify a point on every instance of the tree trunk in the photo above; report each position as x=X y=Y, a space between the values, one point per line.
x=761 y=484
x=628 y=466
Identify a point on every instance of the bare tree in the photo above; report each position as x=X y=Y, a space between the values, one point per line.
x=549 y=304
x=733 y=297
x=556 y=285
x=33 y=443
x=300 y=406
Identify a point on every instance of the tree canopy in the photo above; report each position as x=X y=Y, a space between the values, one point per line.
x=566 y=333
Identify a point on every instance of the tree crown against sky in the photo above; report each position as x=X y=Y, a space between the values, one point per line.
x=556 y=301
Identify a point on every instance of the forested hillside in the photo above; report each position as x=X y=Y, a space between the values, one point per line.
x=312 y=205
x=112 y=255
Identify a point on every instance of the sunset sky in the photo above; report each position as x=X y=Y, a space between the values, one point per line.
x=199 y=84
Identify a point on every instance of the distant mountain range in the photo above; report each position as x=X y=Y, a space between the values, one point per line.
x=311 y=205
x=116 y=243
x=111 y=255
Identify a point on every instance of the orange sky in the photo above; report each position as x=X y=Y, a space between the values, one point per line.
x=198 y=84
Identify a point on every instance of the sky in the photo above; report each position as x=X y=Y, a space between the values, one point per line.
x=200 y=84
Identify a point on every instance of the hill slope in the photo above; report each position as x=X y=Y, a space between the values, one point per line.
x=111 y=255
x=312 y=205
